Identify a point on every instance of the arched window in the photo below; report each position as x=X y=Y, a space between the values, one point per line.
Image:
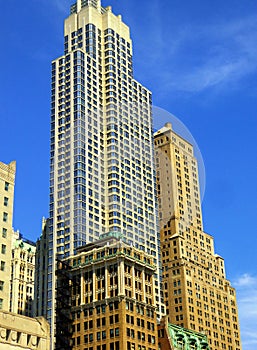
x=181 y=343
x=204 y=346
x=193 y=344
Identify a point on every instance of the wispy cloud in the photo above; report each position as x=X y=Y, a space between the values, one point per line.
x=246 y=286
x=62 y=5
x=196 y=58
x=246 y=280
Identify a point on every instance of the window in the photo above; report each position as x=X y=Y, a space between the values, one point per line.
x=6 y=201
x=1 y=303
x=3 y=250
x=5 y=217
x=2 y=266
x=6 y=186
x=4 y=232
x=1 y=285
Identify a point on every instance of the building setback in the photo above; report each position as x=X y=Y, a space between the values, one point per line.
x=197 y=293
x=102 y=180
x=105 y=298
x=102 y=176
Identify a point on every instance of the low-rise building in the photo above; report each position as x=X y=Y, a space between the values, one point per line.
x=105 y=298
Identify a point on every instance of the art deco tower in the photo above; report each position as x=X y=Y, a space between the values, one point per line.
x=197 y=294
x=102 y=169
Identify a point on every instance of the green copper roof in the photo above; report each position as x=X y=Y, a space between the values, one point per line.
x=115 y=234
x=187 y=339
x=24 y=245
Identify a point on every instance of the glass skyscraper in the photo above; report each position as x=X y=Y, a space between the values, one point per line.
x=102 y=176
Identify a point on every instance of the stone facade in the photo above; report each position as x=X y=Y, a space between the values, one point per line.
x=7 y=180
x=197 y=294
x=105 y=299
x=22 y=275
x=21 y=332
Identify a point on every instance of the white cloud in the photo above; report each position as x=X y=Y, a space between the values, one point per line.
x=195 y=58
x=246 y=287
x=245 y=280
x=213 y=73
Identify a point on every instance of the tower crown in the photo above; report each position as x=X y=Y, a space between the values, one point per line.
x=83 y=3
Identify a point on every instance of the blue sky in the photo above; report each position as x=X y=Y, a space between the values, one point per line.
x=199 y=58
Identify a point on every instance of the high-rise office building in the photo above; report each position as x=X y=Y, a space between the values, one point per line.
x=197 y=294
x=7 y=180
x=102 y=158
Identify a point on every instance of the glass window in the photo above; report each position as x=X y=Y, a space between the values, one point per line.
x=2 y=267
x=4 y=232
x=3 y=250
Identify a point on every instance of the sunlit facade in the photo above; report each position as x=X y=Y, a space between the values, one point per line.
x=7 y=182
x=196 y=291
x=22 y=275
x=105 y=298
x=102 y=175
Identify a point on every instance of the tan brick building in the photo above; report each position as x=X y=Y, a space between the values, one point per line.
x=7 y=180
x=110 y=302
x=197 y=294
x=22 y=275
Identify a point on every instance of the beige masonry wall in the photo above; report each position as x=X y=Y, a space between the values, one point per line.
x=7 y=179
x=21 y=332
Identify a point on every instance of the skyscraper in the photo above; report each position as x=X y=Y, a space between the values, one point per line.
x=196 y=291
x=102 y=175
